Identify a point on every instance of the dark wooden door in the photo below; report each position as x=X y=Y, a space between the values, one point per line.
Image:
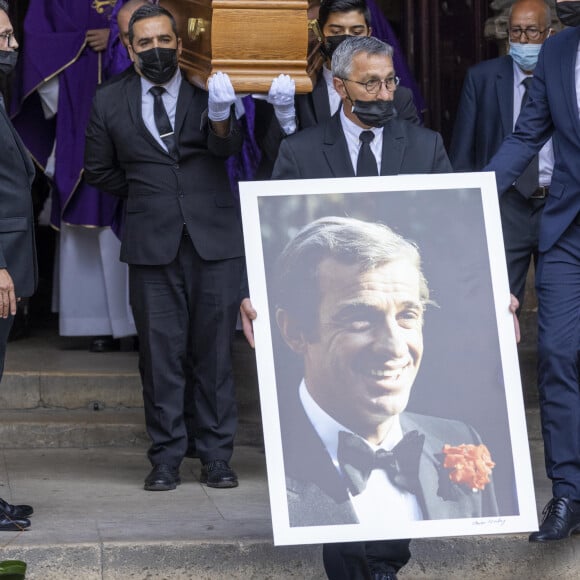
x=441 y=40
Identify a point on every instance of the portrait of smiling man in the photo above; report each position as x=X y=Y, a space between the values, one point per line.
x=350 y=298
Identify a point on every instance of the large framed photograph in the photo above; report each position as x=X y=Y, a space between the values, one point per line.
x=387 y=363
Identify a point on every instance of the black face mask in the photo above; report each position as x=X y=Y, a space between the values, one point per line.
x=8 y=59
x=331 y=44
x=158 y=65
x=374 y=113
x=568 y=13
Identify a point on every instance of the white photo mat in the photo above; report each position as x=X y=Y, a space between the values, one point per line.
x=470 y=349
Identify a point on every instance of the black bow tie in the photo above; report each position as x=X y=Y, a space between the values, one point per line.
x=357 y=460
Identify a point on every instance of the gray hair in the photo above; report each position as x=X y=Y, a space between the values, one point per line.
x=4 y=6
x=353 y=45
x=347 y=240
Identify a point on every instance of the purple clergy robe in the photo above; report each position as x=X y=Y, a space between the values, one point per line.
x=54 y=44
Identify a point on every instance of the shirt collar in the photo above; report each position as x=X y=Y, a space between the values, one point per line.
x=352 y=130
x=172 y=86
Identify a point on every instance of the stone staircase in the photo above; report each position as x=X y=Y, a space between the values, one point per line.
x=55 y=394
x=72 y=442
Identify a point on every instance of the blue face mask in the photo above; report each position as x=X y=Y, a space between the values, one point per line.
x=525 y=55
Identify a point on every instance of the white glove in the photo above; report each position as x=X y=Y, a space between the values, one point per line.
x=281 y=96
x=221 y=96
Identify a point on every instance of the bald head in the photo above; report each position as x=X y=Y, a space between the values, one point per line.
x=124 y=15
x=532 y=12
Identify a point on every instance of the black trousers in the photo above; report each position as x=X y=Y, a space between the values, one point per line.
x=360 y=560
x=185 y=313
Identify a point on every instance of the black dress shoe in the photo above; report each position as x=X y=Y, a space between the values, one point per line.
x=162 y=478
x=218 y=473
x=16 y=512
x=13 y=525
x=105 y=344
x=384 y=576
x=560 y=518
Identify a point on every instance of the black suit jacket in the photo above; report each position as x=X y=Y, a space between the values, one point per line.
x=322 y=152
x=17 y=246
x=163 y=193
x=317 y=494
x=485 y=114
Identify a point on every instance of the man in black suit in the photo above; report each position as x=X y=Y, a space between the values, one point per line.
x=364 y=77
x=337 y=20
x=350 y=297
x=18 y=272
x=490 y=103
x=149 y=140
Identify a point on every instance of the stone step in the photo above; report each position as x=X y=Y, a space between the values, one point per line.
x=93 y=521
x=58 y=428
x=46 y=372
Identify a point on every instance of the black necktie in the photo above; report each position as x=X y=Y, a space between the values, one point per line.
x=357 y=460
x=162 y=121
x=529 y=180
x=366 y=165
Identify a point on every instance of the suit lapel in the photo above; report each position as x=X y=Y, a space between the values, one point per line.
x=394 y=143
x=335 y=149
x=186 y=93
x=428 y=471
x=504 y=87
x=568 y=68
x=440 y=498
x=29 y=166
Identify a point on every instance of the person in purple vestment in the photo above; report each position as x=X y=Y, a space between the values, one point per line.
x=63 y=62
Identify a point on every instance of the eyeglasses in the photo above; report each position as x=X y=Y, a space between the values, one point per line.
x=531 y=33
x=374 y=86
x=7 y=37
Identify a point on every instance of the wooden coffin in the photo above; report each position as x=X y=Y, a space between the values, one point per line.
x=252 y=41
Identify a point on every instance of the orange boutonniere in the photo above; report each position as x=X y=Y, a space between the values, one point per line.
x=470 y=465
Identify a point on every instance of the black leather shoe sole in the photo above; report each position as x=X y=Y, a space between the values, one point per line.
x=220 y=483
x=161 y=481
x=9 y=525
x=539 y=538
x=220 y=477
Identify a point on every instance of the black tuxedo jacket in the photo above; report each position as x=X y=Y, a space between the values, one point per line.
x=485 y=114
x=163 y=193
x=317 y=494
x=322 y=152
x=17 y=246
